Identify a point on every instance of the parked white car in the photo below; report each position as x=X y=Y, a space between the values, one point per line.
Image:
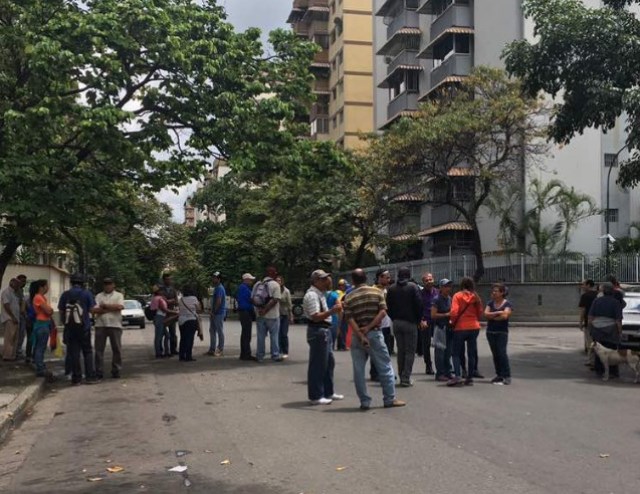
x=132 y=314
x=631 y=319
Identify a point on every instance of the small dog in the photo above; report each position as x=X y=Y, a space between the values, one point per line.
x=613 y=357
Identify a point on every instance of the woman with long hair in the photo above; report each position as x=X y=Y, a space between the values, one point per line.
x=466 y=311
x=188 y=307
x=41 y=326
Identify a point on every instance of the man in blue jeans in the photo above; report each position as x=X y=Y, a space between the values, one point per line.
x=265 y=296
x=320 y=340
x=365 y=308
x=218 y=314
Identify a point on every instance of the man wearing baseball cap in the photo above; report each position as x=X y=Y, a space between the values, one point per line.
x=321 y=360
x=246 y=314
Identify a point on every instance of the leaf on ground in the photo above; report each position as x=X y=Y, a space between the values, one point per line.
x=340 y=469
x=604 y=455
x=95 y=479
x=208 y=451
x=179 y=469
x=225 y=462
x=116 y=469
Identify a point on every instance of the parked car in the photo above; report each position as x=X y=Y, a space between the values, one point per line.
x=631 y=320
x=132 y=314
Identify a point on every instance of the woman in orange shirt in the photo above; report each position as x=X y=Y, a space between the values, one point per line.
x=466 y=311
x=41 y=327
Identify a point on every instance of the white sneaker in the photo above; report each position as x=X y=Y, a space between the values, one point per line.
x=337 y=397
x=321 y=401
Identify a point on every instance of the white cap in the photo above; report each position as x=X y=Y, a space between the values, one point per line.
x=248 y=276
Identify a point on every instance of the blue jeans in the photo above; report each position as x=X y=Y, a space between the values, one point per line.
x=284 y=335
x=498 y=344
x=380 y=358
x=40 y=340
x=321 y=363
x=470 y=337
x=442 y=357
x=271 y=326
x=161 y=338
x=216 y=326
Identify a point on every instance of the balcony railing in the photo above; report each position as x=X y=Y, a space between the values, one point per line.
x=403 y=102
x=406 y=57
x=458 y=64
x=321 y=86
x=454 y=16
x=408 y=18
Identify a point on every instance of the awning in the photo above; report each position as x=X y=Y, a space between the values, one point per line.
x=447 y=80
x=399 y=34
x=428 y=50
x=457 y=226
x=409 y=198
x=399 y=68
x=295 y=15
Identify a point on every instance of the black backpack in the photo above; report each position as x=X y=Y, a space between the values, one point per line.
x=74 y=316
x=149 y=313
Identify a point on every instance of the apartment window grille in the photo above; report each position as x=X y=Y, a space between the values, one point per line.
x=334 y=121
x=610 y=160
x=340 y=57
x=611 y=215
x=322 y=40
x=333 y=94
x=341 y=117
x=340 y=86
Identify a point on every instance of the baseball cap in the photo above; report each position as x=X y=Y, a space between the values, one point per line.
x=108 y=281
x=319 y=274
x=248 y=276
x=342 y=281
x=216 y=274
x=445 y=282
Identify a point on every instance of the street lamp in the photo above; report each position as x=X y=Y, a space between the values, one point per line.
x=607 y=217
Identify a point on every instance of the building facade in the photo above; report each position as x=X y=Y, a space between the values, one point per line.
x=193 y=215
x=343 y=68
x=421 y=46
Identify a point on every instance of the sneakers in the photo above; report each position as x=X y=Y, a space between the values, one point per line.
x=321 y=401
x=429 y=370
x=278 y=359
x=365 y=408
x=507 y=381
x=477 y=375
x=92 y=380
x=337 y=397
x=211 y=353
x=454 y=381
x=285 y=355
x=395 y=403
x=468 y=381
x=442 y=379
x=406 y=384
x=218 y=353
x=497 y=380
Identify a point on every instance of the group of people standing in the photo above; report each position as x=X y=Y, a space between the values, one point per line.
x=416 y=318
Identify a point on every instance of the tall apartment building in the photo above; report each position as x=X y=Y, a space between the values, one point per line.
x=343 y=69
x=423 y=45
x=193 y=215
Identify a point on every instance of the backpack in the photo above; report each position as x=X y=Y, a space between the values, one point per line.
x=74 y=316
x=149 y=313
x=261 y=296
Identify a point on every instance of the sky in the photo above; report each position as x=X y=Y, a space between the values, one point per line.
x=264 y=14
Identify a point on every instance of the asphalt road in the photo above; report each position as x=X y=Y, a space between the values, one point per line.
x=557 y=429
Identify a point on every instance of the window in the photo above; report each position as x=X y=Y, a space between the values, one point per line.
x=610 y=160
x=322 y=40
x=413 y=81
x=333 y=94
x=340 y=86
x=341 y=117
x=333 y=36
x=340 y=57
x=611 y=215
x=320 y=126
x=334 y=122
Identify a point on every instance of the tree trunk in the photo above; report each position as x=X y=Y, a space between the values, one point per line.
x=9 y=250
x=477 y=252
x=359 y=254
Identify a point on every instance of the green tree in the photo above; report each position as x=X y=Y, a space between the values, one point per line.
x=462 y=146
x=103 y=94
x=586 y=57
x=573 y=208
x=543 y=237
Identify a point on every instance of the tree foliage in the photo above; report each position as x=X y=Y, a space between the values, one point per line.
x=586 y=58
x=105 y=94
x=460 y=147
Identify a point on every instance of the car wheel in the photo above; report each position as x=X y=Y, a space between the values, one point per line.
x=143 y=324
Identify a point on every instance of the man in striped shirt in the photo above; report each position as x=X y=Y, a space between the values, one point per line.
x=365 y=308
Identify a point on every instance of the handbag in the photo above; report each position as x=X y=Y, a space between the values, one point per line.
x=198 y=322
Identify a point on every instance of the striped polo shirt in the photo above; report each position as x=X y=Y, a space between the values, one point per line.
x=363 y=304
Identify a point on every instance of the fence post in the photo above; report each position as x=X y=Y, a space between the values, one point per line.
x=637 y=268
x=450 y=267
x=464 y=266
x=582 y=277
x=522 y=268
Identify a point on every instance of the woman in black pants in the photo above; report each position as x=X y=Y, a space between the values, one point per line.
x=188 y=322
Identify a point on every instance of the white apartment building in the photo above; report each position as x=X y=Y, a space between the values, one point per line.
x=420 y=45
x=193 y=215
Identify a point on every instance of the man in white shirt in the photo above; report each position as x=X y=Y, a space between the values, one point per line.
x=321 y=360
x=10 y=319
x=265 y=296
x=108 y=312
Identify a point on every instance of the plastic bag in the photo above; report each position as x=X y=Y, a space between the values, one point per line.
x=439 y=337
x=59 y=351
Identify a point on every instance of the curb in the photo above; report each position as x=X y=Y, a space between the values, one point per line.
x=15 y=412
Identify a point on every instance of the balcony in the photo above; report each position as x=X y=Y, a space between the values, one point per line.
x=321 y=86
x=301 y=29
x=444 y=214
x=408 y=18
x=454 y=16
x=319 y=110
x=406 y=60
x=458 y=64
x=402 y=103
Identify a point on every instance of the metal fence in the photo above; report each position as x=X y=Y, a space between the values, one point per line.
x=522 y=268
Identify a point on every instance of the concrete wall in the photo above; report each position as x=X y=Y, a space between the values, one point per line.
x=496 y=23
x=58 y=279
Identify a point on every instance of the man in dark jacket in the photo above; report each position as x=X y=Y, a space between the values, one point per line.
x=404 y=304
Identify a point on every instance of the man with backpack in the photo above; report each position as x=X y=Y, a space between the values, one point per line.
x=265 y=297
x=75 y=306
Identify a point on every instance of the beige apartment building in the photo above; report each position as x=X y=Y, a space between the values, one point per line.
x=343 y=69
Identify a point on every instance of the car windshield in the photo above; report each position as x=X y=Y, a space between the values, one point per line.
x=132 y=304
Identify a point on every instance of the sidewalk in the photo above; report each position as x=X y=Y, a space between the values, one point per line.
x=20 y=389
